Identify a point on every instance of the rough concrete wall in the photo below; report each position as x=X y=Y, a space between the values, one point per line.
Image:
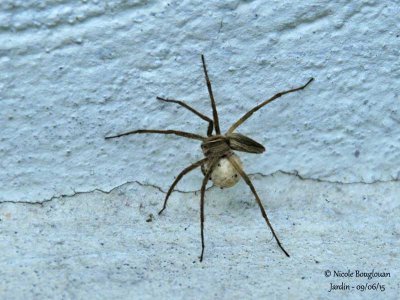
x=72 y=72
x=99 y=245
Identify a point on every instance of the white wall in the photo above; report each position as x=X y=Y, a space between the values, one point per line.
x=72 y=72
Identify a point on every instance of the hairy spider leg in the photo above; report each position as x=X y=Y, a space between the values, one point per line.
x=214 y=107
x=250 y=112
x=264 y=214
x=176 y=132
x=202 y=193
x=179 y=177
x=181 y=103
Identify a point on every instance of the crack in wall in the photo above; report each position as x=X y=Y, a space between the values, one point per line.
x=294 y=174
x=304 y=178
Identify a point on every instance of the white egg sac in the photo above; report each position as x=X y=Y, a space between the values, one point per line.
x=224 y=174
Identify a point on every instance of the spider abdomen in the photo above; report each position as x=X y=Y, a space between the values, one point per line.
x=224 y=175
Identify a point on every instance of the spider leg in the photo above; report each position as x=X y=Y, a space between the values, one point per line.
x=180 y=133
x=181 y=103
x=264 y=214
x=250 y=112
x=202 y=193
x=214 y=107
x=178 y=178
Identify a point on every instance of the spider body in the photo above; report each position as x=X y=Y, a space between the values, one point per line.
x=219 y=145
x=224 y=175
x=220 y=164
x=215 y=146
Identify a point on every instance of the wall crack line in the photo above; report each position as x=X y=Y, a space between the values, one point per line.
x=294 y=174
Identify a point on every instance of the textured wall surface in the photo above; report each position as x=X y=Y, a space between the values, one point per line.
x=108 y=246
x=72 y=72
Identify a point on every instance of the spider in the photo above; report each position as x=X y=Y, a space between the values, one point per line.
x=220 y=164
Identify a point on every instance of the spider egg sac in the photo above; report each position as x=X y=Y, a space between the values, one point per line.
x=224 y=174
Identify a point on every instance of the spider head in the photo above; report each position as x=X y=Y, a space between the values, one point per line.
x=240 y=142
x=215 y=145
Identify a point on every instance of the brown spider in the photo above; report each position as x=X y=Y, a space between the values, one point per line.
x=218 y=150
